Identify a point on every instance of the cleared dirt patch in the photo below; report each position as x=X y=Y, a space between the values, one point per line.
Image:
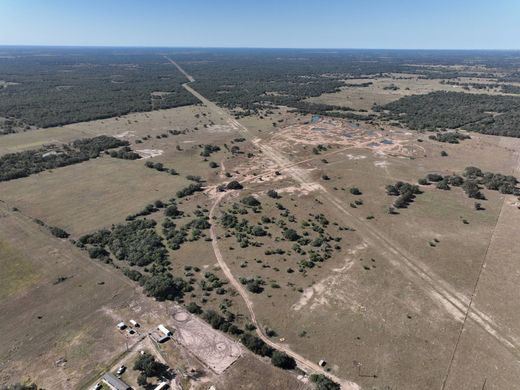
x=214 y=349
x=346 y=134
x=148 y=153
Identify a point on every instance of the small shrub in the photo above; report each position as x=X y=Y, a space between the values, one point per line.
x=58 y=232
x=234 y=185
x=355 y=191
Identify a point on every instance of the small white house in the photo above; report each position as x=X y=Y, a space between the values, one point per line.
x=121 y=325
x=164 y=330
x=134 y=323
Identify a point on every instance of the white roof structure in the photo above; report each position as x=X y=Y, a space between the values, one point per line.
x=164 y=330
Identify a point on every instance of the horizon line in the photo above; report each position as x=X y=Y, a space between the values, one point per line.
x=244 y=47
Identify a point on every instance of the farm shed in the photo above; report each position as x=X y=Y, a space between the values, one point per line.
x=164 y=330
x=114 y=383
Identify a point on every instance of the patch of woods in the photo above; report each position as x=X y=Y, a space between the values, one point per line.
x=321 y=382
x=258 y=346
x=23 y=164
x=304 y=107
x=450 y=137
x=510 y=88
x=487 y=114
x=125 y=153
x=139 y=244
x=90 y=84
x=189 y=232
x=473 y=180
x=208 y=150
x=189 y=190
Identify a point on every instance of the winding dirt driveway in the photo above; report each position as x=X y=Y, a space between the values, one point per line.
x=305 y=364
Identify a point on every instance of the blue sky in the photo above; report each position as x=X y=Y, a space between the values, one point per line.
x=426 y=24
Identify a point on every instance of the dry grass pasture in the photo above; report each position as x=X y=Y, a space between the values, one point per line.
x=129 y=127
x=71 y=305
x=65 y=331
x=380 y=92
x=388 y=309
x=415 y=299
x=85 y=197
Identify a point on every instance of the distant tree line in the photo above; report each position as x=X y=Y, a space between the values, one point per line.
x=487 y=114
x=91 y=84
x=20 y=386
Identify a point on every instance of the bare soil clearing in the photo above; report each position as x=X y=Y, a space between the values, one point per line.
x=213 y=348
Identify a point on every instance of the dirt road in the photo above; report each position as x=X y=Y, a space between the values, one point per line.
x=440 y=291
x=305 y=364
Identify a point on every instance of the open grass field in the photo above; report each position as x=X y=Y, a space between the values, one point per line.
x=65 y=331
x=388 y=88
x=308 y=247
x=86 y=197
x=130 y=126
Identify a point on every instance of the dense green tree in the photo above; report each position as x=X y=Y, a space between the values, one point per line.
x=234 y=185
x=256 y=345
x=148 y=366
x=250 y=201
x=282 y=360
x=321 y=382
x=164 y=287
x=291 y=235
